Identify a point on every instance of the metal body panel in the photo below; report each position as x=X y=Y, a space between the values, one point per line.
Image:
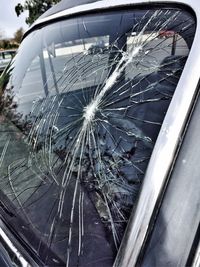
x=179 y=212
x=65 y=4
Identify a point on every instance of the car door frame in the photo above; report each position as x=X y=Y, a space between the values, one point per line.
x=171 y=131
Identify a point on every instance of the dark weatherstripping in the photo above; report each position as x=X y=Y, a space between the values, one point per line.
x=80 y=115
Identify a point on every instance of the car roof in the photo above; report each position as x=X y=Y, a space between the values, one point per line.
x=68 y=8
x=65 y=4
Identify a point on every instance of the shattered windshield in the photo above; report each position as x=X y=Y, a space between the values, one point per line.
x=81 y=108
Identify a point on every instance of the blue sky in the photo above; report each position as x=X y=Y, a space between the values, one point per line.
x=9 y=22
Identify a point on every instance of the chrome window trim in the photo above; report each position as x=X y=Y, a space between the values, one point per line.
x=196 y=262
x=12 y=246
x=170 y=134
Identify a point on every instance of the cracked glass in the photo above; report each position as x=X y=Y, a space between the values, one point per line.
x=81 y=107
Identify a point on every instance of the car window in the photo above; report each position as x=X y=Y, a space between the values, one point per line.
x=7 y=55
x=80 y=114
